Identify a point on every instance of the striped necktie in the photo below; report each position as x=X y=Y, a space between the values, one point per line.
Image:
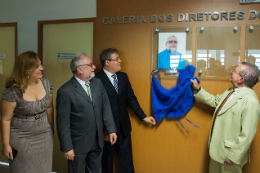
x=89 y=90
x=115 y=82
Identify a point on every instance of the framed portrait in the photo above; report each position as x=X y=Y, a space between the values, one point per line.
x=171 y=49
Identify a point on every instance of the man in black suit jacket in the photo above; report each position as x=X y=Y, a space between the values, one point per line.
x=120 y=96
x=81 y=115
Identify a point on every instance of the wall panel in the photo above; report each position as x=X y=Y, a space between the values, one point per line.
x=167 y=147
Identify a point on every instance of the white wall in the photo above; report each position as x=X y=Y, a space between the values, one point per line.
x=28 y=12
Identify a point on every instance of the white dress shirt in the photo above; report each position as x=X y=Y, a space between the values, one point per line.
x=82 y=83
x=109 y=75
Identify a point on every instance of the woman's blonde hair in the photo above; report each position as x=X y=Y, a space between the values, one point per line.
x=24 y=64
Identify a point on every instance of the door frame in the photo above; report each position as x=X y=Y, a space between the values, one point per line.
x=15 y=32
x=46 y=22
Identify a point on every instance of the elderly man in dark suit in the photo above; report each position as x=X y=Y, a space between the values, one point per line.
x=120 y=94
x=83 y=109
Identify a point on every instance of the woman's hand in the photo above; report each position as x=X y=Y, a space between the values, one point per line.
x=7 y=151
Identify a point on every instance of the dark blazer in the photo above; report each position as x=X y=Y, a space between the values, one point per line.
x=120 y=101
x=78 y=118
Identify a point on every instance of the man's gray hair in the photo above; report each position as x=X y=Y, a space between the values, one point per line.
x=76 y=61
x=251 y=74
x=170 y=36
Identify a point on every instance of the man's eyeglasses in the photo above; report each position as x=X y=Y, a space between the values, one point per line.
x=90 y=65
x=114 y=59
x=234 y=71
x=175 y=42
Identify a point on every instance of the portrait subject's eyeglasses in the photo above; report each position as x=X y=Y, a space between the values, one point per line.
x=90 y=65
x=173 y=42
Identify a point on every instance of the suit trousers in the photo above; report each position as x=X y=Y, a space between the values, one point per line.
x=216 y=167
x=123 y=148
x=91 y=160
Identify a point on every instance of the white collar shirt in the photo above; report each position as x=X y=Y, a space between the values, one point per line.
x=109 y=75
x=82 y=83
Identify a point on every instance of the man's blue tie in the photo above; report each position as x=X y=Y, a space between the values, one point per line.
x=115 y=82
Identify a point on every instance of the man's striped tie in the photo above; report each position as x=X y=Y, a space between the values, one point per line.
x=115 y=82
x=89 y=90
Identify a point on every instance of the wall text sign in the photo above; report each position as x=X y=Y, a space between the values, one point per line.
x=183 y=17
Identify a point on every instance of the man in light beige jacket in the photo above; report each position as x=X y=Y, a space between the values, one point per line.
x=234 y=122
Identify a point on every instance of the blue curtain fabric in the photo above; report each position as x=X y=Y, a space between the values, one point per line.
x=176 y=101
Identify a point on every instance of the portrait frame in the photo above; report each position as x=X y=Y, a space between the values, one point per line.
x=178 y=47
x=252 y=47
x=217 y=50
x=159 y=37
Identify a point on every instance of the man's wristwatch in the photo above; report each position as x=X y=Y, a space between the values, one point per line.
x=197 y=90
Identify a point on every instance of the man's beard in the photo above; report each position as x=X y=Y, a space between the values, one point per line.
x=91 y=75
x=173 y=49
